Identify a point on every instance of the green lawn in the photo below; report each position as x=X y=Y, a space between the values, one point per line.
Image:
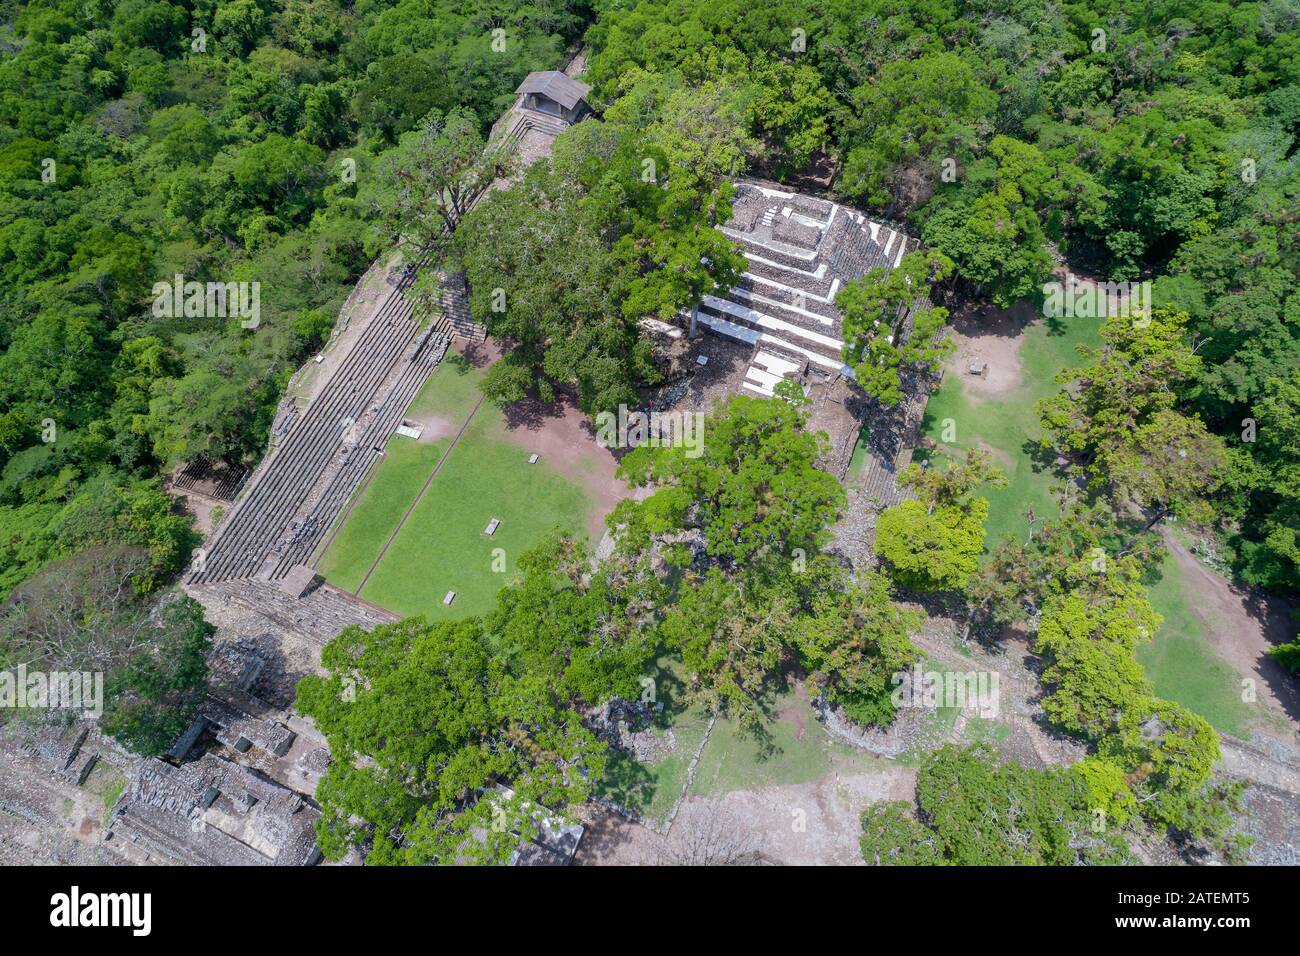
x=1009 y=425
x=450 y=392
x=652 y=789
x=442 y=547
x=858 y=460
x=981 y=730
x=733 y=760
x=1183 y=666
x=1179 y=661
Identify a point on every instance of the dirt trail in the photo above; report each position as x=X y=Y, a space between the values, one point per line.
x=1242 y=625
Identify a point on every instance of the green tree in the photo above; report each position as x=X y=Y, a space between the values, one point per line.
x=852 y=639
x=975 y=811
x=892 y=836
x=995 y=240
x=567 y=262
x=933 y=542
x=87 y=614
x=753 y=493
x=890 y=328
x=1117 y=419
x=1288 y=655
x=423 y=721
x=1092 y=674
x=912 y=115
x=582 y=629
x=152 y=699
x=438 y=172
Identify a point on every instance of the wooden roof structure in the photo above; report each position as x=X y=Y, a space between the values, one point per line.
x=556 y=86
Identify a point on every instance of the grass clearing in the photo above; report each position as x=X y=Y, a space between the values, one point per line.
x=1183 y=666
x=981 y=730
x=936 y=727
x=443 y=547
x=651 y=789
x=451 y=391
x=858 y=460
x=396 y=482
x=1008 y=426
x=112 y=784
x=733 y=760
x=1179 y=661
x=794 y=749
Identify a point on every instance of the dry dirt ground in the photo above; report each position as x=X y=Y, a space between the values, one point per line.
x=985 y=334
x=804 y=824
x=433 y=427
x=200 y=508
x=566 y=441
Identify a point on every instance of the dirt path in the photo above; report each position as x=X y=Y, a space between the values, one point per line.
x=1242 y=625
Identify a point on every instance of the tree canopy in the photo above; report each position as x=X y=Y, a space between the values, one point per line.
x=933 y=541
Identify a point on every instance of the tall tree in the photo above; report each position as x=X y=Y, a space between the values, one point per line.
x=423 y=722
x=1118 y=419
x=890 y=328
x=438 y=170
x=754 y=494
x=977 y=811
x=86 y=614
x=933 y=542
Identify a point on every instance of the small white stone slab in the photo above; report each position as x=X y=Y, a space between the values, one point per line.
x=492 y=526
x=451 y=596
x=532 y=459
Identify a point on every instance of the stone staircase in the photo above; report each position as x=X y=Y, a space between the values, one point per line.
x=297 y=492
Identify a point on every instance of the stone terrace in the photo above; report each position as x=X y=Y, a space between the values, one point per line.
x=801 y=250
x=303 y=483
x=212 y=812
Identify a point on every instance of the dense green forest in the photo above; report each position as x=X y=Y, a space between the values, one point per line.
x=1132 y=140
x=141 y=140
x=260 y=141
x=231 y=141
